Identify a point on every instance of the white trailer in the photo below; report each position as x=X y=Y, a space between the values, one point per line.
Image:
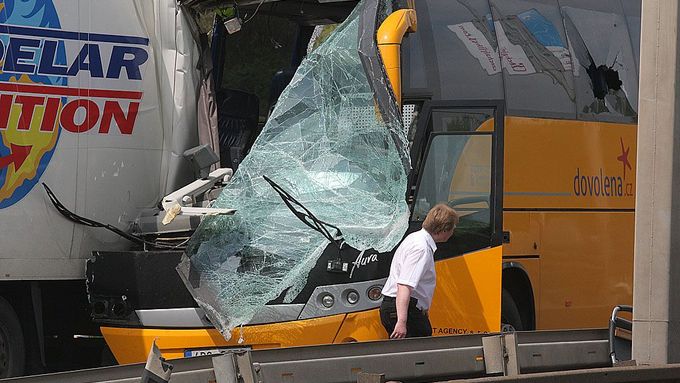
x=98 y=100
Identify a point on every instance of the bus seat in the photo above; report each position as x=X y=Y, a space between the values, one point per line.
x=237 y=118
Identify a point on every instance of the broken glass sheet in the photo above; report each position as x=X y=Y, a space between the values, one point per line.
x=336 y=145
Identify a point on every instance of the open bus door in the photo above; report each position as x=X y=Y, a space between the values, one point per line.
x=461 y=164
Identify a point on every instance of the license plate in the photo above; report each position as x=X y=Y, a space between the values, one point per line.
x=203 y=352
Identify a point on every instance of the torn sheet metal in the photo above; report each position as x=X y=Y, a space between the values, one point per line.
x=336 y=143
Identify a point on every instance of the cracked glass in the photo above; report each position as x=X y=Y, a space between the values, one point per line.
x=335 y=142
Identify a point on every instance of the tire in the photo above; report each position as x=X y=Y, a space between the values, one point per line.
x=511 y=320
x=12 y=349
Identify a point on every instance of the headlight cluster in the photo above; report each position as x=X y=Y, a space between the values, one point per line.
x=351 y=297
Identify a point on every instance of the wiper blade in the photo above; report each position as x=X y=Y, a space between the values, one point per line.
x=306 y=216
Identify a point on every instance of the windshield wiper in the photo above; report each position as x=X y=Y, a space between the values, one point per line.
x=307 y=217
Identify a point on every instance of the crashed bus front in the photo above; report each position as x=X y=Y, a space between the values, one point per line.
x=306 y=265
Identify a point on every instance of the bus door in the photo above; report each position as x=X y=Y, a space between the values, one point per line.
x=457 y=155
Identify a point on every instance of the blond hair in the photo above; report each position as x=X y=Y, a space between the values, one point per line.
x=440 y=218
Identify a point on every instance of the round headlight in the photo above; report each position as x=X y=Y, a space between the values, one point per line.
x=352 y=297
x=327 y=301
x=374 y=292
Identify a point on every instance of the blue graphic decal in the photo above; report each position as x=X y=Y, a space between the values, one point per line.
x=544 y=31
x=26 y=13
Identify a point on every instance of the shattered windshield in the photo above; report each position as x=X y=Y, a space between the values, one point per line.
x=335 y=142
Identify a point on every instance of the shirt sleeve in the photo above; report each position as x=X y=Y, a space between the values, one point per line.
x=412 y=267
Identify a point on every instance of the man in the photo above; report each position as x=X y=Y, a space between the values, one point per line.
x=408 y=291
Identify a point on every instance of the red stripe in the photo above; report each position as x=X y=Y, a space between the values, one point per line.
x=67 y=91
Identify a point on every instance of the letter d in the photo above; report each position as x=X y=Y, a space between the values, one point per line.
x=576 y=187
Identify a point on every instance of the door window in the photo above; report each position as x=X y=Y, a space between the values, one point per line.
x=458 y=171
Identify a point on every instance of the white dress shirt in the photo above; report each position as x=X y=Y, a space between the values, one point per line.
x=413 y=265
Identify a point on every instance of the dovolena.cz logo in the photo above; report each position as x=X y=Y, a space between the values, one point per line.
x=605 y=184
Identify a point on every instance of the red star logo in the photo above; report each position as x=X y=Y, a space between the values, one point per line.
x=624 y=158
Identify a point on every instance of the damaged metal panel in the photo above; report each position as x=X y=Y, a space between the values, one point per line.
x=335 y=142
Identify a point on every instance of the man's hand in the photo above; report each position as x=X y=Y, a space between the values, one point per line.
x=399 y=331
x=402 y=300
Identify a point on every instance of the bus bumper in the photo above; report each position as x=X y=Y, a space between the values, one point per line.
x=132 y=345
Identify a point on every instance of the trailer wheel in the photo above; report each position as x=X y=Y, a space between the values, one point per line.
x=12 y=350
x=511 y=320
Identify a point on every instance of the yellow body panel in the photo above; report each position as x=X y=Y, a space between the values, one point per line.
x=361 y=326
x=576 y=247
x=544 y=158
x=586 y=267
x=455 y=311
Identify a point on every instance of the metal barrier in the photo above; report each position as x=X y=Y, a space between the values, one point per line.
x=616 y=322
x=416 y=359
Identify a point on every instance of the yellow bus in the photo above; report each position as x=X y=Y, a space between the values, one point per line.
x=520 y=114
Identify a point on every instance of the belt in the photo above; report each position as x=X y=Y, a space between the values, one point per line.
x=411 y=301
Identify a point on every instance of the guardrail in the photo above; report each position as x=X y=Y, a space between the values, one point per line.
x=416 y=359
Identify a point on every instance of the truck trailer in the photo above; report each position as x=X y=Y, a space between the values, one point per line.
x=98 y=100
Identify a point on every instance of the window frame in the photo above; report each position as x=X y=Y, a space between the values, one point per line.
x=423 y=140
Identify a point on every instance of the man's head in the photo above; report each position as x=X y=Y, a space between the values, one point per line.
x=440 y=222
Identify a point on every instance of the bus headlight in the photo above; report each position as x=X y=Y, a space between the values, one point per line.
x=352 y=297
x=374 y=292
x=327 y=301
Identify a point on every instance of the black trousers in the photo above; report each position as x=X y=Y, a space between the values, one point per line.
x=417 y=322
